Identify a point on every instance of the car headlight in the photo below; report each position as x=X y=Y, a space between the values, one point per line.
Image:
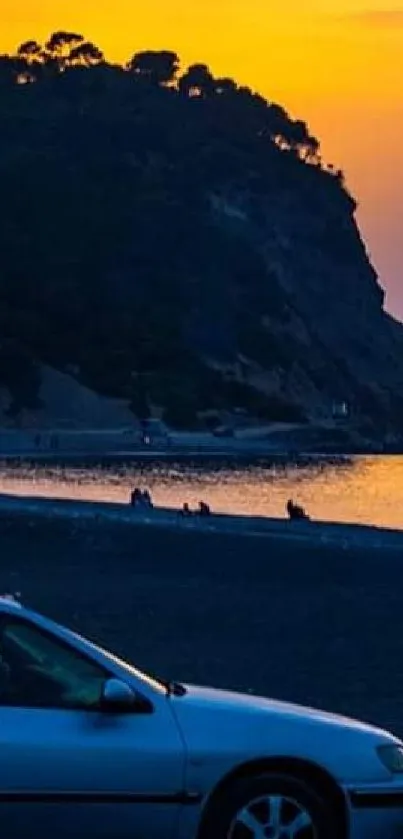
x=392 y=757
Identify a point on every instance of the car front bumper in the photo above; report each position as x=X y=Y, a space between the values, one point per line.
x=376 y=811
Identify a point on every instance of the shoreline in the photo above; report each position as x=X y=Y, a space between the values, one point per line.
x=326 y=533
x=243 y=455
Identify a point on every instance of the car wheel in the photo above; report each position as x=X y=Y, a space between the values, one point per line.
x=269 y=807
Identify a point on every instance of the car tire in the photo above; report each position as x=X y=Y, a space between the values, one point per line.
x=269 y=806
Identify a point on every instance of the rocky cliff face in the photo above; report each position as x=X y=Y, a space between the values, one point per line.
x=333 y=340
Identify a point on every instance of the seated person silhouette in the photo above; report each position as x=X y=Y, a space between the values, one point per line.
x=295 y=512
x=136 y=498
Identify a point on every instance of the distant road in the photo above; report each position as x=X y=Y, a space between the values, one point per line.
x=115 y=445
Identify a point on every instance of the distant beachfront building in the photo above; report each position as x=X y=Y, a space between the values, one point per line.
x=154 y=431
x=341 y=410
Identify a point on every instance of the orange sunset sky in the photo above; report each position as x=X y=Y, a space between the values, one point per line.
x=338 y=64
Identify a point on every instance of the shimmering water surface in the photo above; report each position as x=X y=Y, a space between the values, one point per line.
x=368 y=490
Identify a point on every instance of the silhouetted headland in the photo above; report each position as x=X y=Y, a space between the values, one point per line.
x=176 y=244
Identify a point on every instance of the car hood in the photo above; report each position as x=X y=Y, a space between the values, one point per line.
x=240 y=703
x=237 y=727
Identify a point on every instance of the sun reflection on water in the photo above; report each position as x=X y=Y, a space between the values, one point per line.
x=368 y=490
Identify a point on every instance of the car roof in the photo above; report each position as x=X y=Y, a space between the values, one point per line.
x=9 y=603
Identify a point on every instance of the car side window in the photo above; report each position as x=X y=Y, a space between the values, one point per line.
x=38 y=670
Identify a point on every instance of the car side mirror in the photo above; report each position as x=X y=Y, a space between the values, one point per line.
x=118 y=697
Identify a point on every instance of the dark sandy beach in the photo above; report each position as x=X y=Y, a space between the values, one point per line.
x=295 y=619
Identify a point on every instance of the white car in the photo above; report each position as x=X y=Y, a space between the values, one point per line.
x=91 y=748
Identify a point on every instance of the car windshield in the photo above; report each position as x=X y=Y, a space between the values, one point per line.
x=157 y=684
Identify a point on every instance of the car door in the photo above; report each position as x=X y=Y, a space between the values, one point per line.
x=66 y=768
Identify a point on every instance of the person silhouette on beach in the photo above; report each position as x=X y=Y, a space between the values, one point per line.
x=136 y=498
x=140 y=498
x=146 y=499
x=295 y=512
x=186 y=511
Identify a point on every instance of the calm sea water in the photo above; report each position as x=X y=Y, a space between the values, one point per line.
x=368 y=490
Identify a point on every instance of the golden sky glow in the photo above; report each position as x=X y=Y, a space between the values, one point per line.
x=338 y=64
